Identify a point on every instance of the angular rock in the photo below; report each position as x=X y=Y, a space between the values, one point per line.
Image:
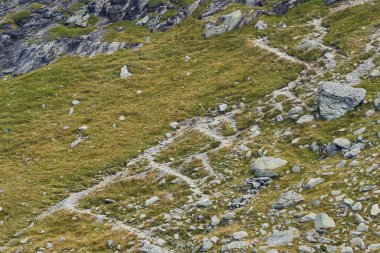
x=229 y=22
x=323 y=221
x=280 y=238
x=335 y=99
x=313 y=182
x=342 y=143
x=239 y=235
x=151 y=201
x=305 y=119
x=288 y=199
x=267 y=166
x=124 y=73
x=235 y=245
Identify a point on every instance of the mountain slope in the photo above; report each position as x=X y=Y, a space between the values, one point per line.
x=244 y=94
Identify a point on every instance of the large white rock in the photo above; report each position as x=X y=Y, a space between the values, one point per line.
x=335 y=99
x=124 y=73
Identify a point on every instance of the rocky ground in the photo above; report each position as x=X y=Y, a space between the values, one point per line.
x=294 y=171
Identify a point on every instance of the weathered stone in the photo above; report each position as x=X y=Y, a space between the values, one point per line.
x=151 y=201
x=239 y=235
x=124 y=73
x=229 y=22
x=323 y=221
x=305 y=119
x=342 y=143
x=313 y=182
x=280 y=238
x=335 y=99
x=288 y=199
x=239 y=245
x=267 y=166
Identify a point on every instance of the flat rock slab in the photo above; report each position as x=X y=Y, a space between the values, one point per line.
x=267 y=166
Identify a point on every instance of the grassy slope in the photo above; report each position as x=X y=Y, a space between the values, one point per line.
x=36 y=154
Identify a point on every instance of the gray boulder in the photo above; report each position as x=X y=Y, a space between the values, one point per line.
x=335 y=99
x=229 y=22
x=280 y=238
x=288 y=199
x=267 y=166
x=342 y=143
x=235 y=245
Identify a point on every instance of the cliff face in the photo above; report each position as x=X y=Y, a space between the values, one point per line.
x=27 y=43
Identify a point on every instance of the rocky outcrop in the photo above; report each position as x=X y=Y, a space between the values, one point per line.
x=31 y=57
x=229 y=22
x=335 y=99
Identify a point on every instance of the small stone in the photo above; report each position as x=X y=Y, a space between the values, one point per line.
x=239 y=235
x=124 y=73
x=151 y=201
x=24 y=241
x=222 y=107
x=323 y=221
x=342 y=143
x=375 y=210
x=306 y=249
x=75 y=102
x=305 y=119
x=288 y=199
x=362 y=227
x=296 y=169
x=313 y=182
x=83 y=128
x=206 y=245
x=110 y=244
x=214 y=221
x=261 y=25
x=280 y=238
x=173 y=125
x=307 y=218
x=205 y=202
x=357 y=206
x=238 y=245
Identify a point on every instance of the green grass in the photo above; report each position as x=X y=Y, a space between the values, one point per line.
x=349 y=29
x=17 y=18
x=191 y=143
x=61 y=31
x=130 y=32
x=64 y=233
x=135 y=192
x=36 y=153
